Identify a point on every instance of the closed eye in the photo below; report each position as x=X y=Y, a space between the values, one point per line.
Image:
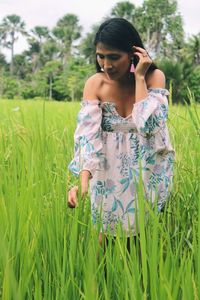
x=108 y=56
x=100 y=56
x=113 y=57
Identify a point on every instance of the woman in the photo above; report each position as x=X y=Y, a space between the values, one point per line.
x=122 y=130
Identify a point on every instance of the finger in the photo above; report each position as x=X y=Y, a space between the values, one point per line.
x=139 y=54
x=142 y=57
x=73 y=198
x=71 y=205
x=72 y=201
x=73 y=192
x=142 y=50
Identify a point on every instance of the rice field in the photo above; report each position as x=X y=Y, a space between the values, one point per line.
x=49 y=251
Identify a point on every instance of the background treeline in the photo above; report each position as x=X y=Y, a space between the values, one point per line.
x=58 y=61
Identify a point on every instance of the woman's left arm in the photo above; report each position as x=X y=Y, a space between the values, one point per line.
x=143 y=81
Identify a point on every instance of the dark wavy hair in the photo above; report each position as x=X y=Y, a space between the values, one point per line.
x=119 y=34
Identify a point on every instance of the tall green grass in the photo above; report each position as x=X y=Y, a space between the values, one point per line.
x=48 y=251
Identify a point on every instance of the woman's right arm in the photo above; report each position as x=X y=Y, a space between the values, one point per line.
x=87 y=129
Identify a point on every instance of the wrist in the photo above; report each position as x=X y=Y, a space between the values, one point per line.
x=85 y=174
x=139 y=78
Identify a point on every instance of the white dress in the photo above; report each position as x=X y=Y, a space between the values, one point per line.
x=114 y=149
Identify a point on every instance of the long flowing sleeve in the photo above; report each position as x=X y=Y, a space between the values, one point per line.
x=157 y=154
x=88 y=139
x=150 y=114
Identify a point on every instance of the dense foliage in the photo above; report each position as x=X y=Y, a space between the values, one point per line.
x=58 y=61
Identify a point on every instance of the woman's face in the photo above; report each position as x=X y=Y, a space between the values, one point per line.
x=114 y=62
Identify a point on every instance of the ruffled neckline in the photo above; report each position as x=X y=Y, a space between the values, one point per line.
x=161 y=91
x=113 y=105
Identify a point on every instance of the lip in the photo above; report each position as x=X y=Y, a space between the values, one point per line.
x=111 y=73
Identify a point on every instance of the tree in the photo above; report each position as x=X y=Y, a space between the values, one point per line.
x=2 y=37
x=161 y=27
x=70 y=82
x=9 y=86
x=191 y=50
x=124 y=10
x=193 y=83
x=67 y=31
x=174 y=75
x=3 y=63
x=11 y=25
x=3 y=71
x=50 y=51
x=21 y=66
x=39 y=36
x=86 y=47
x=49 y=71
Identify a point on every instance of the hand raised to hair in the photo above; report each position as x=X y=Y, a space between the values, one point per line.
x=144 y=61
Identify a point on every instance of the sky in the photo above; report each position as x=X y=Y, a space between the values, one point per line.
x=47 y=13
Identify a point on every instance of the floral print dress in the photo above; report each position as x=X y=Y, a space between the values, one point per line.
x=118 y=151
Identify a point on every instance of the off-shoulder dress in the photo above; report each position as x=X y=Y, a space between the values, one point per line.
x=117 y=150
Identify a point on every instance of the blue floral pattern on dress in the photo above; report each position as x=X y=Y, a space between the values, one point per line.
x=117 y=150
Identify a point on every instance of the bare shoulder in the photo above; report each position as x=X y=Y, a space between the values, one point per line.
x=92 y=87
x=156 y=79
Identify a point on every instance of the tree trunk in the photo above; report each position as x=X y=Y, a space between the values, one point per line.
x=50 y=88
x=148 y=39
x=12 y=53
x=158 y=43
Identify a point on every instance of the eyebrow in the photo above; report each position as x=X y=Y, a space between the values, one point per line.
x=110 y=54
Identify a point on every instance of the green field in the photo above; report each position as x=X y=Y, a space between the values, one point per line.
x=48 y=251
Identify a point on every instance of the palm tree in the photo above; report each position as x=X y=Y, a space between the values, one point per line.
x=10 y=26
x=124 y=10
x=2 y=37
x=190 y=54
x=67 y=31
x=3 y=62
x=161 y=27
x=39 y=36
x=21 y=65
x=194 y=48
x=50 y=70
x=86 y=47
x=41 y=33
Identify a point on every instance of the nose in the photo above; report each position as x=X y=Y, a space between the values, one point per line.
x=107 y=64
